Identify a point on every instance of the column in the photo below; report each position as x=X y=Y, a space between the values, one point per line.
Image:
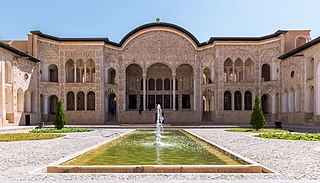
x=85 y=73
x=232 y=101
x=144 y=93
x=75 y=72
x=174 y=93
x=242 y=101
x=233 y=72
x=85 y=101
x=243 y=71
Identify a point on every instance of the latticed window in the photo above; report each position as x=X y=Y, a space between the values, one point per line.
x=237 y=100
x=80 y=101
x=227 y=100
x=90 y=101
x=167 y=84
x=151 y=84
x=247 y=100
x=159 y=84
x=70 y=101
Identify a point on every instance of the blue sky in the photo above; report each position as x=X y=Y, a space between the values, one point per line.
x=114 y=19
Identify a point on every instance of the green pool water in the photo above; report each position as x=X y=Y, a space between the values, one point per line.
x=137 y=148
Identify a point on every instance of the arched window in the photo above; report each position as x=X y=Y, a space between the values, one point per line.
x=166 y=84
x=89 y=71
x=141 y=84
x=266 y=72
x=111 y=76
x=70 y=71
x=80 y=101
x=80 y=71
x=151 y=84
x=238 y=71
x=206 y=76
x=227 y=100
x=53 y=73
x=91 y=101
x=247 y=100
x=159 y=84
x=237 y=100
x=228 y=71
x=70 y=101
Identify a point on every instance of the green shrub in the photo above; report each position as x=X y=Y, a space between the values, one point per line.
x=60 y=119
x=9 y=137
x=257 y=120
x=291 y=136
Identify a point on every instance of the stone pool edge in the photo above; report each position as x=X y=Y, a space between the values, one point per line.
x=251 y=167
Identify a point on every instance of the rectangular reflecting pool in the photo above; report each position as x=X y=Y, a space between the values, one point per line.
x=179 y=152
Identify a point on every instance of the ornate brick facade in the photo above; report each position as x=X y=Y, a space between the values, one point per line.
x=102 y=82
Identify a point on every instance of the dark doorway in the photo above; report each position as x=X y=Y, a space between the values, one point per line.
x=27 y=120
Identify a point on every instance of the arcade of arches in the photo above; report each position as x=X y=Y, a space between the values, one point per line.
x=101 y=82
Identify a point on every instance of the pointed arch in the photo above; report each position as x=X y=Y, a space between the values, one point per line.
x=53 y=73
x=227 y=100
x=70 y=101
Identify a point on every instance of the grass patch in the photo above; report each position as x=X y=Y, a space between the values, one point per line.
x=9 y=137
x=291 y=136
x=262 y=130
x=63 y=130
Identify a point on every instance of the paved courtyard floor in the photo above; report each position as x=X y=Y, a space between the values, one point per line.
x=295 y=161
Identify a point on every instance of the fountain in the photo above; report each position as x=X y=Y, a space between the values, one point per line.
x=143 y=151
x=159 y=121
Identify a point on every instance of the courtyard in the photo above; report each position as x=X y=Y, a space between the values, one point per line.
x=292 y=161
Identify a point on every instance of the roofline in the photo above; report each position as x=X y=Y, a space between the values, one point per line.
x=18 y=52
x=300 y=48
x=162 y=24
x=276 y=34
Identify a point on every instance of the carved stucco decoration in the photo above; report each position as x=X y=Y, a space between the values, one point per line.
x=270 y=90
x=239 y=53
x=160 y=46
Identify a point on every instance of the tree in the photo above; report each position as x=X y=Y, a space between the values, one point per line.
x=60 y=119
x=257 y=120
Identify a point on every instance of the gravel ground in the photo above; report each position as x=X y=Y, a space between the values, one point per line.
x=295 y=161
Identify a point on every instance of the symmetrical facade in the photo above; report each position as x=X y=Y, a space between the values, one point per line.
x=102 y=82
